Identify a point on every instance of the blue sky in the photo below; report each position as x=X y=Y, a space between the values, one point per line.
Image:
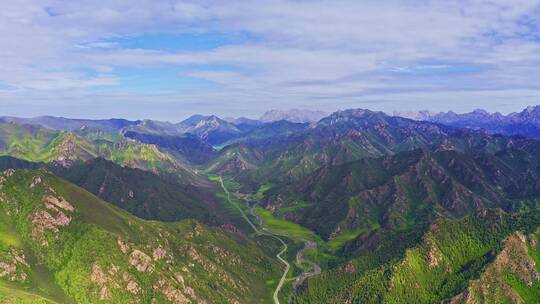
x=169 y=59
x=172 y=42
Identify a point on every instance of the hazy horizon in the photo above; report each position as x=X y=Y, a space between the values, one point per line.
x=256 y=117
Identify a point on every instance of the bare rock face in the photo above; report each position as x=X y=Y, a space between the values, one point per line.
x=67 y=152
x=54 y=216
x=5 y=175
x=350 y=268
x=36 y=180
x=133 y=287
x=159 y=253
x=113 y=279
x=434 y=255
x=9 y=172
x=52 y=202
x=194 y=255
x=99 y=277
x=124 y=247
x=172 y=294
x=14 y=267
x=6 y=270
x=231 y=228
x=43 y=221
x=141 y=261
x=515 y=258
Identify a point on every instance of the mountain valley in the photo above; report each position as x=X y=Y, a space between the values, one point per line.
x=356 y=207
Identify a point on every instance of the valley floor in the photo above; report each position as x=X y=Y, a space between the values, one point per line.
x=261 y=229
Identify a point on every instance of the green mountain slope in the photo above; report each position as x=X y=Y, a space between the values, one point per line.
x=512 y=277
x=185 y=147
x=144 y=194
x=409 y=189
x=37 y=144
x=62 y=243
x=8 y=162
x=359 y=180
x=399 y=211
x=342 y=137
x=449 y=254
x=139 y=192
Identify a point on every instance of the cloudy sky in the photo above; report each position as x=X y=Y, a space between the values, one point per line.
x=166 y=59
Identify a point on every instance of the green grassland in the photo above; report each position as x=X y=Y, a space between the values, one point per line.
x=259 y=195
x=13 y=295
x=286 y=228
x=299 y=233
x=292 y=208
x=323 y=257
x=340 y=240
x=214 y=178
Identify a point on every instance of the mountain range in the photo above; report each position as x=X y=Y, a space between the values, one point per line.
x=298 y=206
x=526 y=122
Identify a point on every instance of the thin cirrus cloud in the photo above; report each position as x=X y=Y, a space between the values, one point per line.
x=133 y=58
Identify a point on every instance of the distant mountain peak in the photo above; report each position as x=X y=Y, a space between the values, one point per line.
x=351 y=114
x=211 y=121
x=531 y=109
x=293 y=115
x=193 y=120
x=535 y=110
x=414 y=115
x=481 y=111
x=526 y=122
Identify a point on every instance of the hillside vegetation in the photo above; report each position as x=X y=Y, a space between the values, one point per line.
x=37 y=144
x=62 y=244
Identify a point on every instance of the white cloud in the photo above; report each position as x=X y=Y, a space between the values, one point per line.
x=324 y=54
